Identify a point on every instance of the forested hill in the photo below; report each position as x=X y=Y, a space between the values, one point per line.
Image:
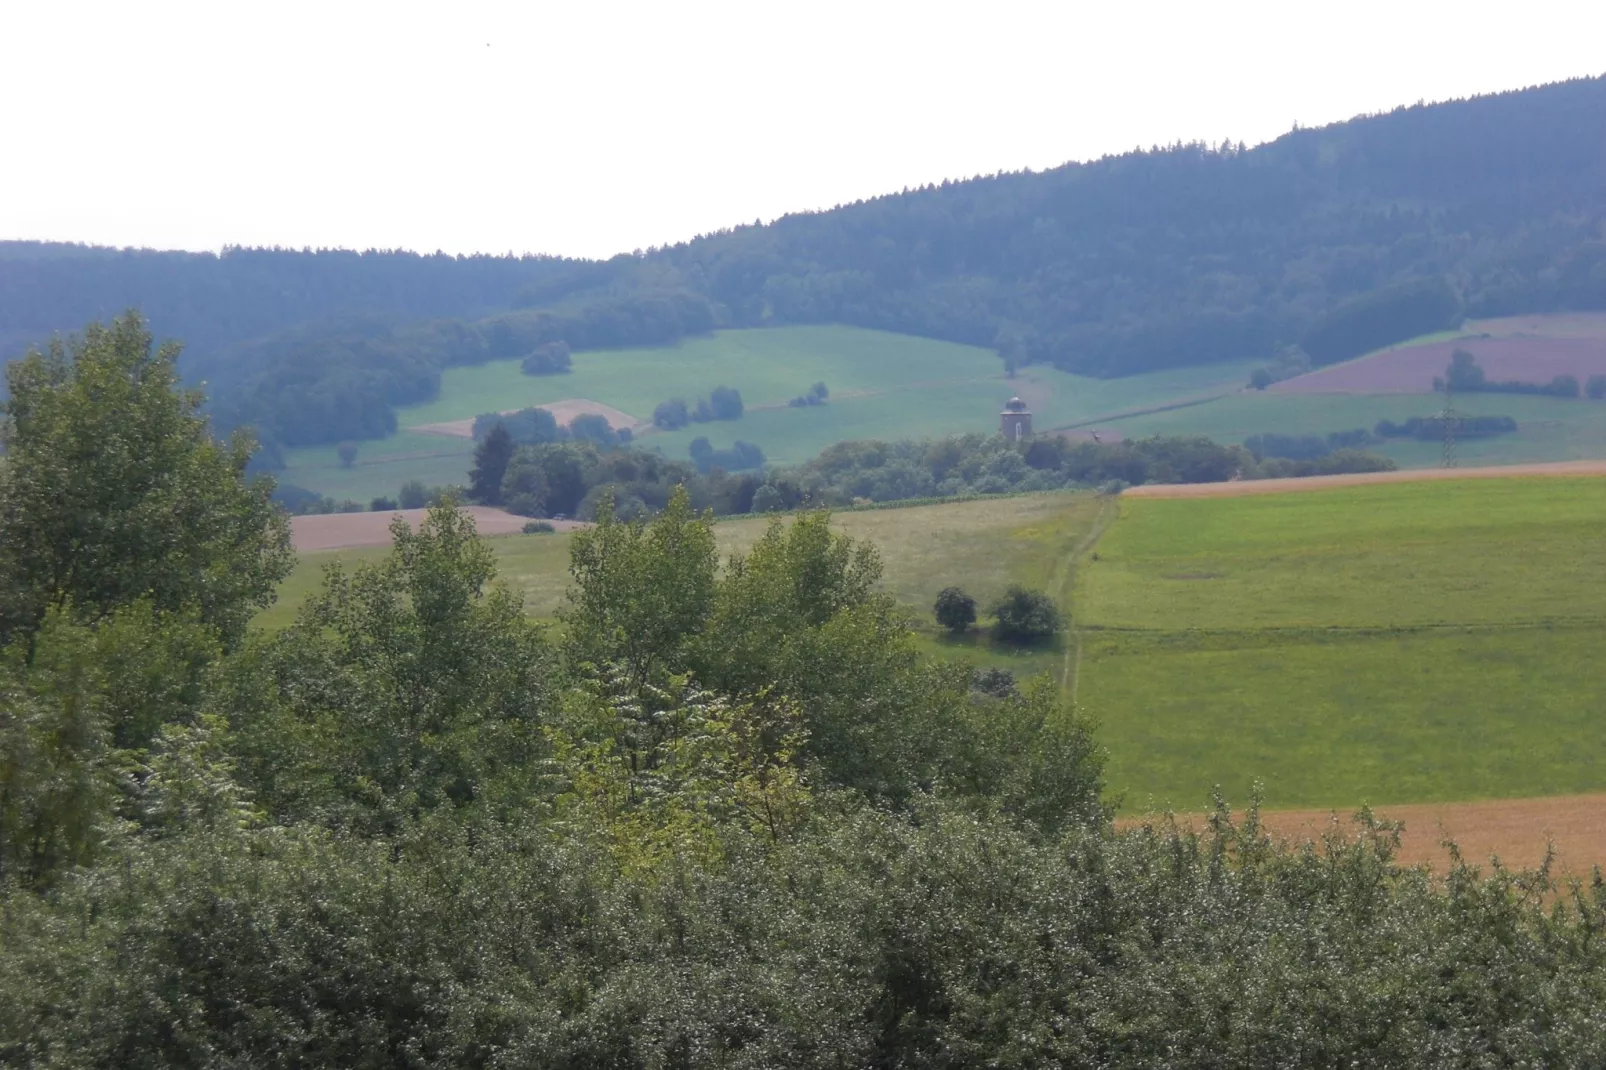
x=214 y=300
x=1337 y=239
x=1192 y=254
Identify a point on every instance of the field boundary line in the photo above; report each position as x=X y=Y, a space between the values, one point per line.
x=1379 y=631
x=1168 y=406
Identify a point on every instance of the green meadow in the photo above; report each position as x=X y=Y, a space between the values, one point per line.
x=1387 y=644
x=883 y=385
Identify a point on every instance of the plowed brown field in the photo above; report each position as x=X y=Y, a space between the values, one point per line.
x=1356 y=479
x=339 y=531
x=1514 y=830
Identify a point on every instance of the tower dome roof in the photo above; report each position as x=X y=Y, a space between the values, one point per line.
x=1015 y=404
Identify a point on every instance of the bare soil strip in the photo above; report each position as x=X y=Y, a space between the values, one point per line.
x=1357 y=479
x=1514 y=830
x=340 y=531
x=562 y=411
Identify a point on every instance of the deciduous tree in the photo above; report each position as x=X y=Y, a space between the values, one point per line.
x=113 y=490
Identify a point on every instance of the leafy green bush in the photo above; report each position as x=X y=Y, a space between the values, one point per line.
x=955 y=610
x=1025 y=616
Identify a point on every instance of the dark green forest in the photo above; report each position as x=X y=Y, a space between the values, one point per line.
x=726 y=814
x=1335 y=239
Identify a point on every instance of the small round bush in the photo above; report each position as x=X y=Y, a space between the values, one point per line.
x=999 y=683
x=539 y=527
x=955 y=609
x=1026 y=616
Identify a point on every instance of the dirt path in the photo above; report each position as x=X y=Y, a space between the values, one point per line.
x=340 y=531
x=1515 y=830
x=1357 y=479
x=1065 y=582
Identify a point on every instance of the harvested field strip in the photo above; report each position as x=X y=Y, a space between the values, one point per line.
x=339 y=531
x=1516 y=831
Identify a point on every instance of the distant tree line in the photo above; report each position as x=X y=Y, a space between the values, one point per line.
x=721 y=403
x=550 y=358
x=1308 y=447
x=569 y=478
x=1431 y=428
x=1463 y=376
x=741 y=455
x=818 y=394
x=873 y=471
x=536 y=425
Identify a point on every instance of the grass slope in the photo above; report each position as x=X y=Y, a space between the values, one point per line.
x=883 y=385
x=1399 y=643
x=1549 y=429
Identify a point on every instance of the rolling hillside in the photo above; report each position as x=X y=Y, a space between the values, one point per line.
x=1340 y=239
x=882 y=385
x=1396 y=383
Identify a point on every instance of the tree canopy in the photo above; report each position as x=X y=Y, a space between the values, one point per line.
x=113 y=490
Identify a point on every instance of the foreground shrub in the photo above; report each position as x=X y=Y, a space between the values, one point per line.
x=955 y=610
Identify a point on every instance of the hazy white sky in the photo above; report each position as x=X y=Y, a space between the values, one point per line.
x=589 y=128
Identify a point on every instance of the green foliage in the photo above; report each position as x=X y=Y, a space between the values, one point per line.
x=347 y=452
x=954 y=609
x=408 y=684
x=414 y=495
x=549 y=359
x=1024 y=616
x=852 y=472
x=641 y=591
x=1464 y=376
x=491 y=459
x=113 y=490
x=1382 y=317
x=79 y=704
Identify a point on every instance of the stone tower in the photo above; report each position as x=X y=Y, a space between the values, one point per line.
x=1015 y=423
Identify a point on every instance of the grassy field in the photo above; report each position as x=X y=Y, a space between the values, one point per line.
x=1549 y=429
x=1389 y=644
x=883 y=385
x=982 y=546
x=1401 y=643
